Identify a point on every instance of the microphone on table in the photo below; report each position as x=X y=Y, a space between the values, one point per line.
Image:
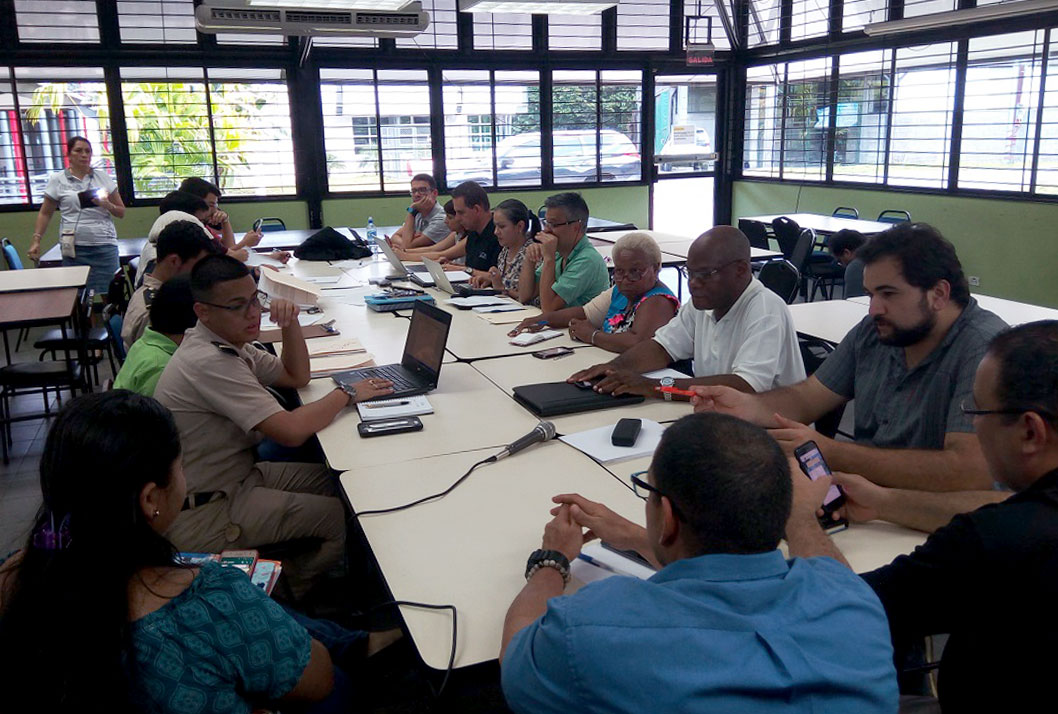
x=544 y=431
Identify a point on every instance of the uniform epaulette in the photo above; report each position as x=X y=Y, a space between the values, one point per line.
x=226 y=349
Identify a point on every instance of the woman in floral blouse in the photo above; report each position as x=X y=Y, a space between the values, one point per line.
x=515 y=227
x=629 y=312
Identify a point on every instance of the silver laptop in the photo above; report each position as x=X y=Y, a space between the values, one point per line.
x=443 y=281
x=403 y=271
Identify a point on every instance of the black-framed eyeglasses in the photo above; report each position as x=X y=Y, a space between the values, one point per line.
x=633 y=274
x=643 y=489
x=972 y=410
x=259 y=299
x=704 y=275
x=420 y=191
x=550 y=224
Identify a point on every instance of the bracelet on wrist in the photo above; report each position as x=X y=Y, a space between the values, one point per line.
x=593 y=337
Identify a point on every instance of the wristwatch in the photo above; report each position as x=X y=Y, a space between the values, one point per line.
x=548 y=559
x=348 y=389
x=412 y=210
x=667 y=382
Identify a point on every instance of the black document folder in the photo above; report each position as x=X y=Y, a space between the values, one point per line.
x=554 y=398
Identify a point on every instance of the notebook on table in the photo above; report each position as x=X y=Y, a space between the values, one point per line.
x=555 y=398
x=420 y=366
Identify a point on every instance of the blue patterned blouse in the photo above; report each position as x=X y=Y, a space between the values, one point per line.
x=621 y=315
x=217 y=644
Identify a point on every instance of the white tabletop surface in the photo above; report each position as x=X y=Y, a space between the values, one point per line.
x=469 y=548
x=826 y=224
x=829 y=320
x=677 y=245
x=511 y=372
x=74 y=276
x=1012 y=312
x=469 y=413
x=667 y=259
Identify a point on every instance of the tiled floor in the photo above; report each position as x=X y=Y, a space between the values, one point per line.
x=20 y=478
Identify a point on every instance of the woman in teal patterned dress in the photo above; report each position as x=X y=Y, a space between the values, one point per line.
x=95 y=615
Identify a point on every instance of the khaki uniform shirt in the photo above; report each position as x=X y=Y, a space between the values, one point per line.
x=217 y=395
x=137 y=314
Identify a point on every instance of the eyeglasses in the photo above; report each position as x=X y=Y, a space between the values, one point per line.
x=420 y=191
x=704 y=275
x=644 y=489
x=971 y=410
x=633 y=275
x=259 y=300
x=550 y=224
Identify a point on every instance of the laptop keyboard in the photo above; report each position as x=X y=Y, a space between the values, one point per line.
x=391 y=372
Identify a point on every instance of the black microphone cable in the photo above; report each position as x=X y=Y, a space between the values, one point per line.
x=455 y=635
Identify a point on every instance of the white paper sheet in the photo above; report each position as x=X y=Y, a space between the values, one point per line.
x=596 y=442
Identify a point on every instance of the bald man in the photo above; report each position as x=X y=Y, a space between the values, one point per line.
x=739 y=333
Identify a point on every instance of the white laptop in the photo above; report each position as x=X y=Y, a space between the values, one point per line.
x=402 y=270
x=443 y=280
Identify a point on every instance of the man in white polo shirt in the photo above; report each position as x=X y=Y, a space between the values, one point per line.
x=739 y=333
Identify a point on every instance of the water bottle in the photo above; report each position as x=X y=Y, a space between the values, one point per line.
x=372 y=235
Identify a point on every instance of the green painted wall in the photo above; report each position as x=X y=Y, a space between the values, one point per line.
x=1012 y=246
x=137 y=222
x=625 y=204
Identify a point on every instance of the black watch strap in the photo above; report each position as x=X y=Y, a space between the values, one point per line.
x=548 y=559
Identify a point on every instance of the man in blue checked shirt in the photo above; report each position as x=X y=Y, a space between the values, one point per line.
x=726 y=625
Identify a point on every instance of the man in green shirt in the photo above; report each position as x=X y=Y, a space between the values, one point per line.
x=171 y=313
x=571 y=271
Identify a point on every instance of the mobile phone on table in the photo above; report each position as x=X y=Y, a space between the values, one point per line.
x=394 y=425
x=552 y=353
x=815 y=466
x=257 y=224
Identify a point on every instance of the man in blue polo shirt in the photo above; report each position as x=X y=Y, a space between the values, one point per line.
x=571 y=272
x=726 y=625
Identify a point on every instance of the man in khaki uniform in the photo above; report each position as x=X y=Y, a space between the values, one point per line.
x=180 y=245
x=215 y=387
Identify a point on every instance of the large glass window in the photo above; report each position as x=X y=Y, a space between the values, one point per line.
x=763 y=22
x=56 y=21
x=862 y=116
x=999 y=111
x=441 y=33
x=157 y=21
x=809 y=18
x=806 y=103
x=233 y=130
x=1047 y=170
x=857 y=13
x=376 y=128
x=574 y=32
x=762 y=138
x=596 y=121
x=492 y=127
x=53 y=104
x=684 y=121
x=923 y=101
x=501 y=31
x=643 y=25
x=702 y=23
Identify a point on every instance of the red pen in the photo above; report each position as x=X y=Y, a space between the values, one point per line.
x=675 y=390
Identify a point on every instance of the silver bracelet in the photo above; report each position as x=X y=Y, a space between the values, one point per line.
x=593 y=337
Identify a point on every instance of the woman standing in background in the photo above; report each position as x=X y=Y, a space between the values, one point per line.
x=87 y=200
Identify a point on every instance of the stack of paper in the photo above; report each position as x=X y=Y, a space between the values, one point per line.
x=335 y=346
x=531 y=338
x=596 y=442
x=507 y=318
x=384 y=409
x=326 y=365
x=263 y=259
x=480 y=301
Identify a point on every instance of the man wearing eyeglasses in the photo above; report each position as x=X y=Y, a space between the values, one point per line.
x=909 y=364
x=570 y=272
x=726 y=625
x=215 y=387
x=988 y=577
x=739 y=333
x=425 y=223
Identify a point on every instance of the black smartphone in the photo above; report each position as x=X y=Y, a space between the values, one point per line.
x=552 y=353
x=257 y=224
x=394 y=425
x=630 y=554
x=86 y=197
x=815 y=466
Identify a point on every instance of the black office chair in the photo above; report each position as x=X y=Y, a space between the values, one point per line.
x=894 y=216
x=268 y=225
x=781 y=278
x=786 y=233
x=845 y=212
x=83 y=337
x=757 y=233
x=813 y=353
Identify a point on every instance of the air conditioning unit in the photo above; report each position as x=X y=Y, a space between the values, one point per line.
x=316 y=22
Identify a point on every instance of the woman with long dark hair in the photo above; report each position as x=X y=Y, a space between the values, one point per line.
x=516 y=226
x=96 y=615
x=86 y=227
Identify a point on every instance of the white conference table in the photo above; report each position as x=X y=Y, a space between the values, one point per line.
x=73 y=276
x=822 y=223
x=512 y=372
x=668 y=260
x=828 y=320
x=1012 y=312
x=679 y=246
x=469 y=413
x=469 y=548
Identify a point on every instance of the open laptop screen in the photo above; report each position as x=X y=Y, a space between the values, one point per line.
x=427 y=336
